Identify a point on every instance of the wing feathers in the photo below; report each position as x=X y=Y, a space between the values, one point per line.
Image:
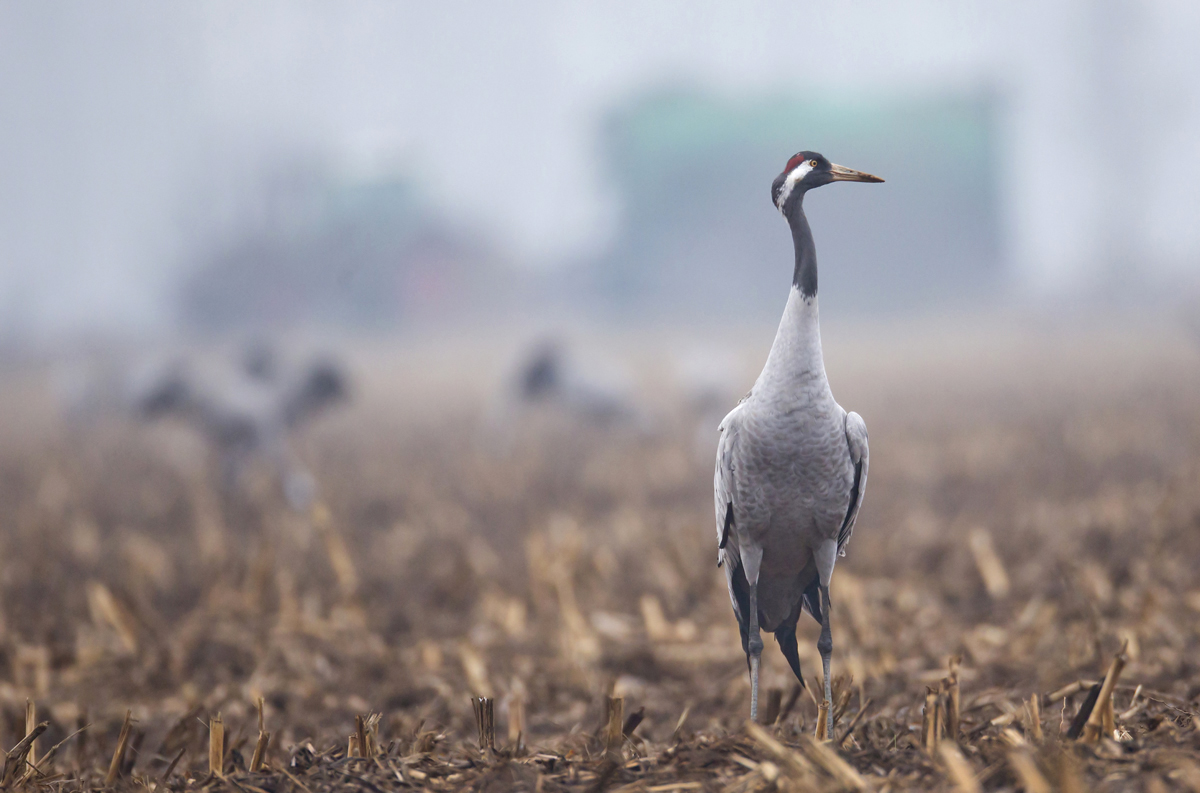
x=724 y=487
x=856 y=440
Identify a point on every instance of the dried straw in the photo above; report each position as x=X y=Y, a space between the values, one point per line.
x=1097 y=722
x=614 y=732
x=118 y=758
x=16 y=758
x=216 y=745
x=822 y=721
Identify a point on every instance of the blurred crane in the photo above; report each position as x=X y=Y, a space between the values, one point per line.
x=549 y=377
x=791 y=463
x=250 y=413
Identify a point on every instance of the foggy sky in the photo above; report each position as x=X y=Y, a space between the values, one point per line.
x=132 y=132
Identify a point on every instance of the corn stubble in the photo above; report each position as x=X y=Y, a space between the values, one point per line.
x=1020 y=608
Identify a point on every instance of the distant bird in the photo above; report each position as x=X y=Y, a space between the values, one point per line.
x=549 y=378
x=251 y=414
x=791 y=463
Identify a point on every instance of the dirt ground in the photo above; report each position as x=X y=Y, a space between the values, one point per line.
x=1033 y=508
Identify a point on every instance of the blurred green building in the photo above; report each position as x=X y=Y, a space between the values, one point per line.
x=699 y=236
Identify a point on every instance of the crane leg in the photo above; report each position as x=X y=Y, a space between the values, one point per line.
x=825 y=647
x=754 y=648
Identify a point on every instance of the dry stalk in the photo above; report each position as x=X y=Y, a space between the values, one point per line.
x=1034 y=710
x=264 y=741
x=1013 y=738
x=954 y=699
x=133 y=751
x=1069 y=690
x=958 y=769
x=50 y=755
x=260 y=751
x=1096 y=721
x=931 y=722
x=1108 y=717
x=675 y=734
x=487 y=710
x=105 y=609
x=939 y=720
x=131 y=754
x=360 y=736
x=516 y=721
x=16 y=758
x=822 y=726
x=843 y=703
x=171 y=768
x=371 y=722
x=1027 y=771
x=1134 y=705
x=118 y=758
x=216 y=745
x=809 y=690
x=991 y=569
x=485 y=721
x=614 y=734
x=30 y=723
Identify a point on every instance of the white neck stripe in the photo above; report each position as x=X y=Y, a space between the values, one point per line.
x=789 y=184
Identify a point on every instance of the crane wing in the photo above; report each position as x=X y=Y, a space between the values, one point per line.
x=724 y=500
x=856 y=439
x=724 y=481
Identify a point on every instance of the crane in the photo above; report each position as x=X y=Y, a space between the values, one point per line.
x=791 y=465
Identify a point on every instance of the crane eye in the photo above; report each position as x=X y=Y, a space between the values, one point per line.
x=813 y=163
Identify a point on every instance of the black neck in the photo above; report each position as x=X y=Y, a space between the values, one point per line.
x=805 y=276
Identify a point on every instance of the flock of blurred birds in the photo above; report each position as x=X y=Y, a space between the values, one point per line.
x=249 y=405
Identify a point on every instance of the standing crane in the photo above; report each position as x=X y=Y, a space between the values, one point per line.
x=791 y=463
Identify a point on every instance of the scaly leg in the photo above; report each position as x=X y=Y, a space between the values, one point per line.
x=825 y=647
x=754 y=648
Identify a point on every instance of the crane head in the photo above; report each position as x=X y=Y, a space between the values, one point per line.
x=807 y=170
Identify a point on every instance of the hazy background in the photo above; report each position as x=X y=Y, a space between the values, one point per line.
x=380 y=166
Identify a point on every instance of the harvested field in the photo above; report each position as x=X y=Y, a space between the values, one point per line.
x=1033 y=510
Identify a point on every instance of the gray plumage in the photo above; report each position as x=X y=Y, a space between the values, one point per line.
x=791 y=465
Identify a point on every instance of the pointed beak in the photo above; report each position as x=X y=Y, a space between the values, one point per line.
x=841 y=173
